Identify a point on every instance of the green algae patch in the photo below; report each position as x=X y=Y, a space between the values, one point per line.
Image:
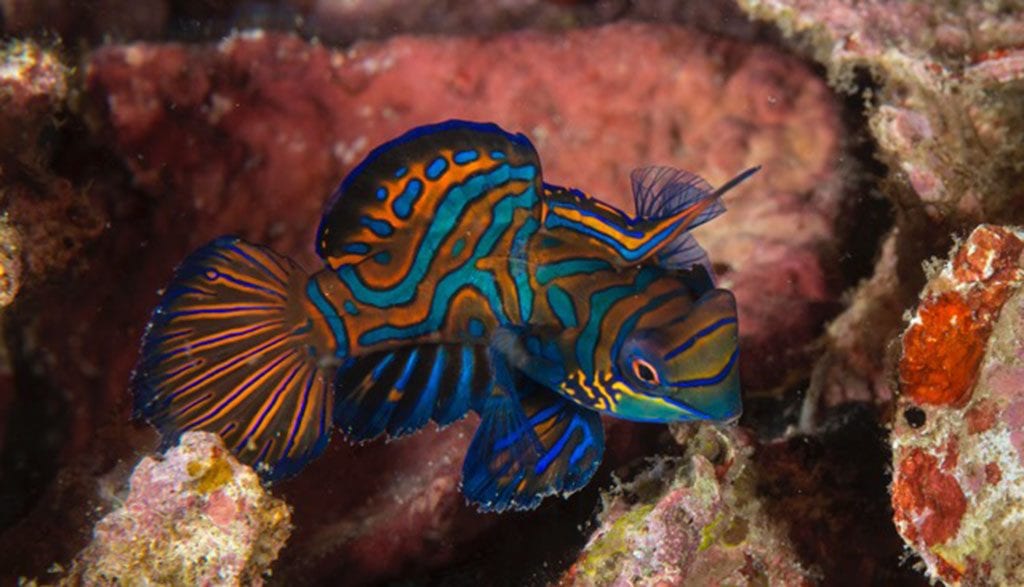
x=604 y=552
x=708 y=534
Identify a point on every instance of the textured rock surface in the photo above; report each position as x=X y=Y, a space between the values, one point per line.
x=94 y=19
x=46 y=218
x=941 y=82
x=193 y=517
x=801 y=510
x=348 y=21
x=693 y=521
x=343 y=20
x=946 y=115
x=958 y=448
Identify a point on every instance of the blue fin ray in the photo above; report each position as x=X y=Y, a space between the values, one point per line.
x=397 y=392
x=531 y=443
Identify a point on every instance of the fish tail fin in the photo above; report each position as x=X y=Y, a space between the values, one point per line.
x=233 y=348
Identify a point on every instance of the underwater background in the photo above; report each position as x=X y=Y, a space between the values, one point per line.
x=875 y=261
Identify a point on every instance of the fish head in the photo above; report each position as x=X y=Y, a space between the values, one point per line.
x=679 y=362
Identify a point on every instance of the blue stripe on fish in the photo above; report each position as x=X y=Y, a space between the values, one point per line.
x=714 y=379
x=464 y=157
x=377 y=226
x=563 y=306
x=519 y=270
x=699 y=335
x=547 y=272
x=329 y=314
x=437 y=168
x=407 y=199
x=448 y=212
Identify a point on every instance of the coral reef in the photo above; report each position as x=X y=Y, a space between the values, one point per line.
x=941 y=82
x=120 y=18
x=194 y=516
x=958 y=453
x=694 y=521
x=853 y=368
x=119 y=157
x=347 y=20
x=802 y=510
x=38 y=231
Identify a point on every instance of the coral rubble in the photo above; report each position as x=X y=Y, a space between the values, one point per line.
x=34 y=233
x=958 y=451
x=194 y=516
x=694 y=521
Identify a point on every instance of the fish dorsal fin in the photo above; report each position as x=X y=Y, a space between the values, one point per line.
x=413 y=196
x=659 y=192
x=669 y=203
x=397 y=392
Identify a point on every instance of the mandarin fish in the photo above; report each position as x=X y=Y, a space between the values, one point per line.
x=455 y=280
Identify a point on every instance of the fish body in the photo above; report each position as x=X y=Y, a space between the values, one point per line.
x=454 y=279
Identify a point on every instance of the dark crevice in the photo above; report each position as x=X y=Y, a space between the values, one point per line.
x=866 y=215
x=37 y=420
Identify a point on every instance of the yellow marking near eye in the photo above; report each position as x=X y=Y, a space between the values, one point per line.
x=582 y=383
x=624 y=389
x=599 y=386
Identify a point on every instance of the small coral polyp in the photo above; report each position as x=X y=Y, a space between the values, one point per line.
x=958 y=449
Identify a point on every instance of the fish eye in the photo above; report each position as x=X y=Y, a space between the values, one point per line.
x=645 y=372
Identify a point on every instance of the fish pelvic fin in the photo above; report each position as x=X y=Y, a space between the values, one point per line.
x=233 y=348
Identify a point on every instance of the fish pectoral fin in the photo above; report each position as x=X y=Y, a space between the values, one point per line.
x=508 y=343
x=398 y=391
x=531 y=443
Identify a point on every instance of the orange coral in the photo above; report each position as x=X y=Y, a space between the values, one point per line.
x=941 y=353
x=943 y=348
x=927 y=500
